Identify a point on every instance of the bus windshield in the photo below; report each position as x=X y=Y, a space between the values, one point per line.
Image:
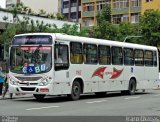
x=30 y=59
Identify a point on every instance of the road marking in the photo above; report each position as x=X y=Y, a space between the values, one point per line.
x=97 y=101
x=157 y=95
x=42 y=108
x=132 y=97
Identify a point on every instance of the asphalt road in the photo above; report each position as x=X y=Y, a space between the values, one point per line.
x=112 y=104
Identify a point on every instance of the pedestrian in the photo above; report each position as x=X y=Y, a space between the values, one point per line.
x=2 y=79
x=6 y=84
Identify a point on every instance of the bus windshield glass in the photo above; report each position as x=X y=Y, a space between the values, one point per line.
x=30 y=59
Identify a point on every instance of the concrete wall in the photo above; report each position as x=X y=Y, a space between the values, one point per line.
x=50 y=6
x=58 y=23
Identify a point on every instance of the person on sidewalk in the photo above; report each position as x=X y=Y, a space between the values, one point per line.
x=6 y=84
x=2 y=79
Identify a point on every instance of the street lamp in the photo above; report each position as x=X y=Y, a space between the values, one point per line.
x=131 y=37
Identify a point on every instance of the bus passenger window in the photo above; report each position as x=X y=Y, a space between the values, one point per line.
x=117 y=57
x=61 y=57
x=128 y=56
x=76 y=53
x=155 y=58
x=90 y=54
x=104 y=55
x=148 y=58
x=138 y=57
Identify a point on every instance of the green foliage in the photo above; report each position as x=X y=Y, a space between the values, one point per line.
x=104 y=29
x=29 y=26
x=150 y=26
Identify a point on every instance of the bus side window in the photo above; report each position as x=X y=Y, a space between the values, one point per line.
x=104 y=55
x=148 y=58
x=90 y=53
x=128 y=56
x=155 y=58
x=61 y=57
x=76 y=53
x=117 y=57
x=139 y=57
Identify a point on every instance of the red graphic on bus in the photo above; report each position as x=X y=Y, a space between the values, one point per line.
x=116 y=73
x=99 y=72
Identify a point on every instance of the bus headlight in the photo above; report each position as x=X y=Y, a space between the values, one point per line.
x=44 y=82
x=13 y=82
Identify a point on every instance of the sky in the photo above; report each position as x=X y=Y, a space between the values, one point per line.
x=2 y=3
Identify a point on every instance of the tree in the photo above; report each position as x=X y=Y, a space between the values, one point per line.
x=104 y=29
x=42 y=12
x=59 y=16
x=150 y=26
x=27 y=25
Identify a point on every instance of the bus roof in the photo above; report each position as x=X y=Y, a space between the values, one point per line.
x=61 y=36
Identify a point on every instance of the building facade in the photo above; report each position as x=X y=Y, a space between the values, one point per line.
x=71 y=9
x=150 y=4
x=49 y=6
x=121 y=11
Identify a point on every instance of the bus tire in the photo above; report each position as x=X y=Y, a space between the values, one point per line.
x=76 y=91
x=132 y=87
x=39 y=96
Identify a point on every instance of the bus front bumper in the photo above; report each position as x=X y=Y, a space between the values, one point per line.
x=31 y=89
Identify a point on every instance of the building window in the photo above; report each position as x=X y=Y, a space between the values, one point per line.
x=88 y=22
x=101 y=4
x=66 y=5
x=88 y=7
x=125 y=18
x=149 y=0
x=136 y=3
x=117 y=4
x=117 y=19
x=74 y=4
x=135 y=18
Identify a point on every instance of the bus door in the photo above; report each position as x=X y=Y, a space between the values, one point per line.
x=150 y=59
x=128 y=65
x=117 y=69
x=139 y=68
x=61 y=65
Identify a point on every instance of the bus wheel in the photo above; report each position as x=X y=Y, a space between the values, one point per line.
x=76 y=91
x=39 y=96
x=132 y=87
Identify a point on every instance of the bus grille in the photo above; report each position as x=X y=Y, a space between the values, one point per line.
x=28 y=78
x=28 y=89
x=29 y=84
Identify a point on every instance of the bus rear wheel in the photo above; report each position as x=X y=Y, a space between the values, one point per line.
x=39 y=96
x=76 y=91
x=132 y=87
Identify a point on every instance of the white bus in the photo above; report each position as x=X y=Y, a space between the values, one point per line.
x=57 y=64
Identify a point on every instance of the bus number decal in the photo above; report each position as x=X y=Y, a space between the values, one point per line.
x=78 y=72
